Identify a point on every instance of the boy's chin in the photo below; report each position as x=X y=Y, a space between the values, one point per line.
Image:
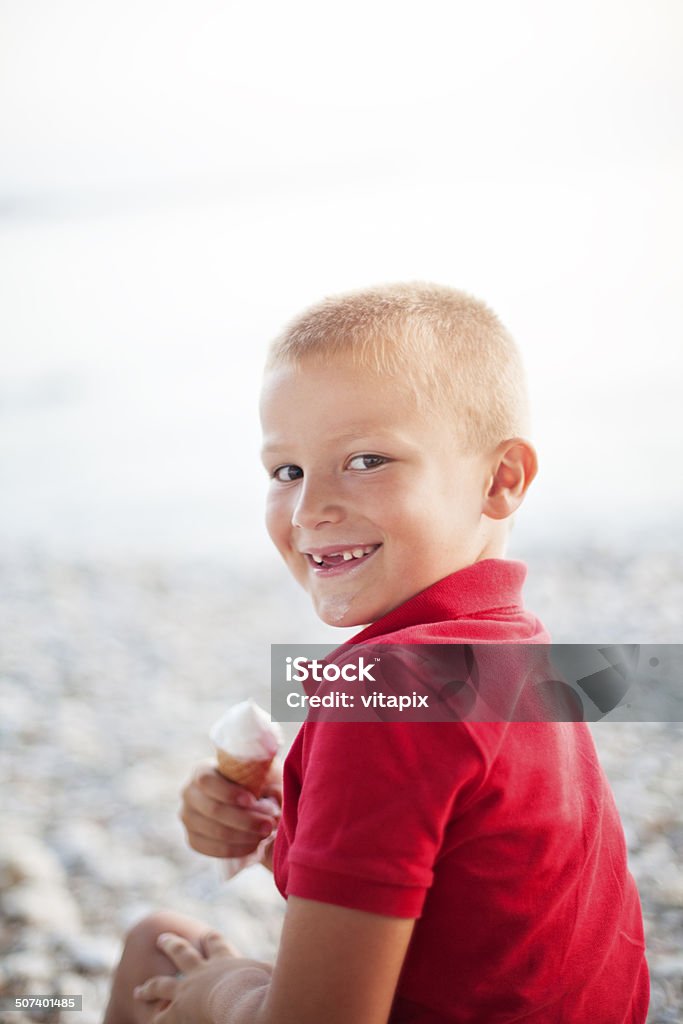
x=339 y=611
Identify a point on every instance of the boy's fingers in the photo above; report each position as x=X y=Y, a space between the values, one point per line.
x=218 y=848
x=271 y=804
x=212 y=829
x=217 y=786
x=154 y=989
x=196 y=801
x=182 y=954
x=209 y=785
x=221 y=851
x=227 y=815
x=223 y=791
x=216 y=810
x=208 y=780
x=220 y=837
x=266 y=855
x=213 y=944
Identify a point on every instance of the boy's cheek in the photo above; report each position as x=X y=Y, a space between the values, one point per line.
x=275 y=521
x=278 y=527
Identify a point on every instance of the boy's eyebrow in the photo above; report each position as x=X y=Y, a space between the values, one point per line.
x=269 y=451
x=348 y=435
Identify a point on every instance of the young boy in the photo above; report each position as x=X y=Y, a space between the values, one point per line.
x=434 y=872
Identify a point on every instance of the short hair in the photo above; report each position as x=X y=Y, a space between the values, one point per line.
x=448 y=347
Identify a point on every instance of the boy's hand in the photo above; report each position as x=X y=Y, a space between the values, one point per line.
x=223 y=819
x=209 y=984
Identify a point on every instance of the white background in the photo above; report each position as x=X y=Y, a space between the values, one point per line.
x=177 y=179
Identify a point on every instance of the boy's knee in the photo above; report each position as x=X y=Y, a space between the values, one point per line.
x=142 y=959
x=141 y=939
x=144 y=933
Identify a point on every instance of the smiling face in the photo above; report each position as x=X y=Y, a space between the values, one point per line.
x=369 y=501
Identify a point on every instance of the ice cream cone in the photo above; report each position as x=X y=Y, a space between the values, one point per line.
x=250 y=774
x=246 y=743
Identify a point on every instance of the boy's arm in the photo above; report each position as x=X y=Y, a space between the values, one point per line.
x=335 y=964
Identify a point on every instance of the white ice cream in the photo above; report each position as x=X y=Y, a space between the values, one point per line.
x=246 y=731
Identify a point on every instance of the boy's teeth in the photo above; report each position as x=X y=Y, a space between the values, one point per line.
x=346 y=556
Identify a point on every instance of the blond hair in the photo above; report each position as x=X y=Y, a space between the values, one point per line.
x=448 y=347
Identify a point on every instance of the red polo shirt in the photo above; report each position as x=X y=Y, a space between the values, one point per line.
x=501 y=839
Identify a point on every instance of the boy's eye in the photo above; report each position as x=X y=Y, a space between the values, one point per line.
x=285 y=474
x=367 y=461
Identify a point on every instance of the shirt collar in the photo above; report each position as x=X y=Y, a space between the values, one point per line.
x=490 y=583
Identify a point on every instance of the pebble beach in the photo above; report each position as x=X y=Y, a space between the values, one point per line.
x=111 y=673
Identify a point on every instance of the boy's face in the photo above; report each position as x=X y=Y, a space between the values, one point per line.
x=355 y=468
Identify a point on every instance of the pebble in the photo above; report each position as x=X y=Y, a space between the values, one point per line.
x=667 y=966
x=34 y=966
x=92 y=954
x=110 y=675
x=40 y=905
x=23 y=858
x=80 y=844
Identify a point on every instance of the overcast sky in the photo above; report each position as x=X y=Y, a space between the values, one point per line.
x=108 y=94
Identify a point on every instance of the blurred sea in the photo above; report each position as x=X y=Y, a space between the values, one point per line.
x=132 y=346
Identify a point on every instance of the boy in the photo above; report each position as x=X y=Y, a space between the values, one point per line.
x=434 y=872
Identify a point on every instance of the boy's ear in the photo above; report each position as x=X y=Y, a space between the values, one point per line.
x=514 y=467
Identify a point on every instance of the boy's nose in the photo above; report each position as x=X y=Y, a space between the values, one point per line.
x=316 y=504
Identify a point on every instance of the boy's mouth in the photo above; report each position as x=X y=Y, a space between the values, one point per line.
x=334 y=562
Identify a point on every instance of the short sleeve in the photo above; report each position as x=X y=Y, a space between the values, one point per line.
x=375 y=802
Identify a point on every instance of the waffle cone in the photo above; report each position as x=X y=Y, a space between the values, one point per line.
x=250 y=774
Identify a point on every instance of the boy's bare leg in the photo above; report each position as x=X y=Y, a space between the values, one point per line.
x=141 y=960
